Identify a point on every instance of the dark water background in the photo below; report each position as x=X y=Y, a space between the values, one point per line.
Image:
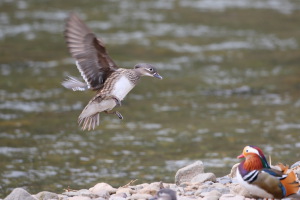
x=231 y=78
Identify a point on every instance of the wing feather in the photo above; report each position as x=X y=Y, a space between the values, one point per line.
x=92 y=59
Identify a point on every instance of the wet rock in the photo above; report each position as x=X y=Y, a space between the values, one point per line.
x=186 y=174
x=20 y=194
x=99 y=187
x=46 y=196
x=231 y=197
x=140 y=196
x=201 y=178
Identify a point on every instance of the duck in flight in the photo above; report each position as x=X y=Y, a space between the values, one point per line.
x=100 y=73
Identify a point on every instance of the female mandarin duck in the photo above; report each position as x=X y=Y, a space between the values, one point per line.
x=256 y=175
x=99 y=72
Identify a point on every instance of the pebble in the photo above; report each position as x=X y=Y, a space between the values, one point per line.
x=100 y=187
x=46 y=195
x=192 y=183
x=117 y=197
x=79 y=198
x=231 y=197
x=125 y=192
x=140 y=196
x=224 y=180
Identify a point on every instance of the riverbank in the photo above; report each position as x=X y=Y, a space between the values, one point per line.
x=191 y=182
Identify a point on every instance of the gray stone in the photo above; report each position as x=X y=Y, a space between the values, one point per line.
x=186 y=174
x=140 y=196
x=62 y=197
x=239 y=190
x=231 y=197
x=206 y=182
x=201 y=178
x=46 y=196
x=102 y=193
x=99 y=198
x=117 y=197
x=212 y=195
x=103 y=186
x=189 y=193
x=224 y=180
x=124 y=191
x=20 y=194
x=150 y=189
x=79 y=198
x=185 y=198
x=71 y=193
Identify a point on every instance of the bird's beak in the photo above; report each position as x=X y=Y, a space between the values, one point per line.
x=156 y=75
x=241 y=156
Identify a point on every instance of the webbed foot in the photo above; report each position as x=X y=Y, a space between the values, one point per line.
x=118 y=102
x=116 y=113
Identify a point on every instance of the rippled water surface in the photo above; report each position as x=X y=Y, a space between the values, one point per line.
x=231 y=78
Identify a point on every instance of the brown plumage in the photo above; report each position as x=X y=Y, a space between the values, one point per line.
x=255 y=174
x=100 y=73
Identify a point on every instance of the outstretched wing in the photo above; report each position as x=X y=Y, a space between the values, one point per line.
x=92 y=60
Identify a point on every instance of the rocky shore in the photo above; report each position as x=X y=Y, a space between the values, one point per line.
x=191 y=182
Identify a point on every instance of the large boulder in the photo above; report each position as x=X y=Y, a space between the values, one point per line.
x=186 y=174
x=20 y=194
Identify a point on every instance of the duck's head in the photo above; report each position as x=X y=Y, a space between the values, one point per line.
x=254 y=151
x=146 y=69
x=250 y=151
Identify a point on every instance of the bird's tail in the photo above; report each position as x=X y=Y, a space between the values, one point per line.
x=74 y=84
x=90 y=117
x=89 y=122
x=290 y=184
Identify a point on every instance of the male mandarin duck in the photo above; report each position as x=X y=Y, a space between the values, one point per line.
x=100 y=73
x=256 y=175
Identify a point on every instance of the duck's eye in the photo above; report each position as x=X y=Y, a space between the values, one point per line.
x=247 y=150
x=150 y=69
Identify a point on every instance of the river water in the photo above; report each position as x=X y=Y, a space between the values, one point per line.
x=231 y=78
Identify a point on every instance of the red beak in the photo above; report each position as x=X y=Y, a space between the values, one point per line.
x=241 y=156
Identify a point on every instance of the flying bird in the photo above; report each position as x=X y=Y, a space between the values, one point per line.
x=256 y=175
x=99 y=72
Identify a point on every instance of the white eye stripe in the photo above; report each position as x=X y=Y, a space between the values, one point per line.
x=252 y=150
